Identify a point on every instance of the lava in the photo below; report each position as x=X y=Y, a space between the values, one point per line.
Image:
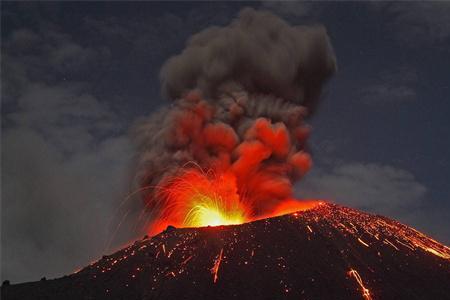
x=362 y=242
x=197 y=199
x=215 y=268
x=209 y=212
x=365 y=291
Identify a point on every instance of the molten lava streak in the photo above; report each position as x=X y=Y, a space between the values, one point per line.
x=198 y=199
x=365 y=291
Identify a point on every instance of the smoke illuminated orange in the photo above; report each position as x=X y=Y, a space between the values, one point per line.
x=223 y=173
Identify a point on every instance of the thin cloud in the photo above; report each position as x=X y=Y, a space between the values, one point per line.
x=393 y=86
x=375 y=187
x=417 y=23
x=65 y=158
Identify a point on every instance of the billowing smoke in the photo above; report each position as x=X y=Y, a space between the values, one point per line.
x=259 y=53
x=240 y=95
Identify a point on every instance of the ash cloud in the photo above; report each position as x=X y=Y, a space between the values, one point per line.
x=259 y=52
x=241 y=94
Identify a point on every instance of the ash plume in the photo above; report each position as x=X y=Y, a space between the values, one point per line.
x=258 y=52
x=240 y=95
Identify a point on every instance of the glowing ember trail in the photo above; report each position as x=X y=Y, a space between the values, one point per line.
x=362 y=242
x=215 y=268
x=365 y=291
x=438 y=253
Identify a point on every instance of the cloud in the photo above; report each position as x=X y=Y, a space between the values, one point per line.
x=56 y=209
x=417 y=23
x=65 y=158
x=392 y=86
x=370 y=186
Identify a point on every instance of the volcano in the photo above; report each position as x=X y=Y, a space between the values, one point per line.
x=326 y=252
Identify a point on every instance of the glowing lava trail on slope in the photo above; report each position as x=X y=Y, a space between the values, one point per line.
x=326 y=252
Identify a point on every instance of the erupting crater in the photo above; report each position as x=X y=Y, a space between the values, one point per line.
x=197 y=199
x=324 y=252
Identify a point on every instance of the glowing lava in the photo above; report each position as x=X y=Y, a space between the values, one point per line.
x=365 y=291
x=212 y=212
x=198 y=199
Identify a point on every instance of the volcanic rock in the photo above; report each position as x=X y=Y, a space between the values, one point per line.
x=327 y=252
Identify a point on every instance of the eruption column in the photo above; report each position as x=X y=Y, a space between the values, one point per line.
x=233 y=141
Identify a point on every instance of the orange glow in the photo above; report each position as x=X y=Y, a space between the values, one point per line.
x=437 y=253
x=222 y=176
x=215 y=268
x=362 y=242
x=365 y=291
x=198 y=199
x=211 y=212
x=291 y=206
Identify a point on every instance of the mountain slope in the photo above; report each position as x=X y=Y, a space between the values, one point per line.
x=328 y=252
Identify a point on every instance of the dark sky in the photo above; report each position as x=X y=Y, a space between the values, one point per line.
x=76 y=76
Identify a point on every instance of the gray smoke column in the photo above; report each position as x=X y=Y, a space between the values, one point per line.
x=240 y=95
x=258 y=52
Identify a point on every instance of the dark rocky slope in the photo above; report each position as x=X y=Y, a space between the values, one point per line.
x=328 y=252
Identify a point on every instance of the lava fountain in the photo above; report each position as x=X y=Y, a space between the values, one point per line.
x=198 y=199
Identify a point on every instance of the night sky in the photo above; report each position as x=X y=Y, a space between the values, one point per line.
x=76 y=77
